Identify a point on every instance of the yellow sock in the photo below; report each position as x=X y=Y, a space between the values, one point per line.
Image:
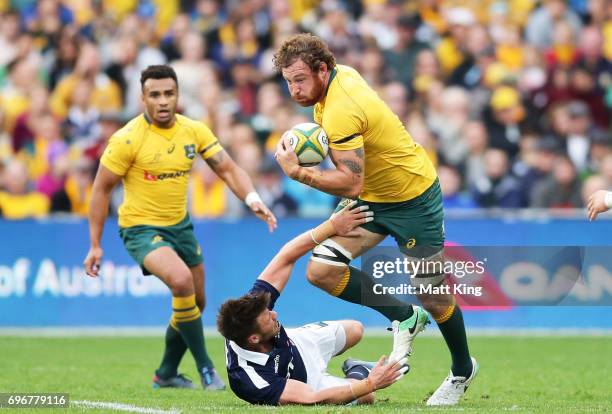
x=448 y=312
x=342 y=284
x=184 y=309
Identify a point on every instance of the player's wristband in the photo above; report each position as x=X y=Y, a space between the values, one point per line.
x=608 y=199
x=251 y=198
x=322 y=232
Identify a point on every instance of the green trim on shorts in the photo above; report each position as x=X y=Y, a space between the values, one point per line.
x=417 y=225
x=143 y=239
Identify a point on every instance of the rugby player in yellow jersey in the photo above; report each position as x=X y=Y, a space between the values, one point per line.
x=378 y=163
x=153 y=155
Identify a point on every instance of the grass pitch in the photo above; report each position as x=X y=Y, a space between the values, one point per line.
x=522 y=374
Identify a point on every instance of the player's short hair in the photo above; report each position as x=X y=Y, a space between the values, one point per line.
x=157 y=72
x=237 y=318
x=309 y=48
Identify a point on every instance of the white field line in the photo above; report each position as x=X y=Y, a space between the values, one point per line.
x=121 y=407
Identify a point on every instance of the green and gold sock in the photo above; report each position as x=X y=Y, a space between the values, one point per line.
x=453 y=330
x=351 y=285
x=189 y=323
x=173 y=353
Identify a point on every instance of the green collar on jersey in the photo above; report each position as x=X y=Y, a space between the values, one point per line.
x=334 y=72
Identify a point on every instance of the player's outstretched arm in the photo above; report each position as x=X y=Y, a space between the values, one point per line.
x=103 y=186
x=345 y=181
x=342 y=223
x=382 y=376
x=240 y=183
x=599 y=202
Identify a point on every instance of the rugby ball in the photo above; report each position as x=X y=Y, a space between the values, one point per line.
x=309 y=142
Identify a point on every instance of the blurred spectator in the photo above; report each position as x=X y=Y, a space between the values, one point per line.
x=451 y=50
x=65 y=56
x=577 y=140
x=106 y=95
x=563 y=51
x=540 y=26
x=192 y=70
x=9 y=33
x=269 y=101
x=423 y=135
x=395 y=95
x=208 y=193
x=601 y=147
x=73 y=197
x=269 y=185
x=108 y=124
x=171 y=44
x=17 y=201
x=400 y=59
x=283 y=120
x=244 y=80
x=242 y=139
x=81 y=125
x=47 y=147
x=452 y=196
x=534 y=163
x=497 y=188
x=22 y=79
x=478 y=55
x=372 y=68
x=376 y=24
x=337 y=30
x=561 y=189
x=591 y=44
x=25 y=124
x=503 y=120
x=447 y=125
x=476 y=139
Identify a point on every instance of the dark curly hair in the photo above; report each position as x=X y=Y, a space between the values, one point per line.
x=237 y=318
x=307 y=47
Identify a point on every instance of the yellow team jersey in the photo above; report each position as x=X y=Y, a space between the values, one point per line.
x=396 y=167
x=155 y=164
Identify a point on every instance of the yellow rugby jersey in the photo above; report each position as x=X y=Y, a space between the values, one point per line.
x=396 y=167
x=155 y=164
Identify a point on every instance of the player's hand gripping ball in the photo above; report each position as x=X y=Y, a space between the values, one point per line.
x=309 y=142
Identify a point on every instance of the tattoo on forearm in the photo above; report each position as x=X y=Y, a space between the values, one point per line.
x=359 y=152
x=216 y=159
x=353 y=166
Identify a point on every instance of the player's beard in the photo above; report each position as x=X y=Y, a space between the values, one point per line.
x=317 y=90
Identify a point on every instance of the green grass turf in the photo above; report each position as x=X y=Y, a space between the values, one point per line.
x=524 y=374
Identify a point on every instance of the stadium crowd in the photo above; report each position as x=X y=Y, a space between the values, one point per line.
x=511 y=99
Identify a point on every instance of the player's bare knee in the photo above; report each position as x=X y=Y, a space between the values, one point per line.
x=354 y=332
x=181 y=284
x=324 y=276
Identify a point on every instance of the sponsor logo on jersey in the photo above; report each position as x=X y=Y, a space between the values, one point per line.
x=164 y=176
x=171 y=149
x=156 y=239
x=411 y=243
